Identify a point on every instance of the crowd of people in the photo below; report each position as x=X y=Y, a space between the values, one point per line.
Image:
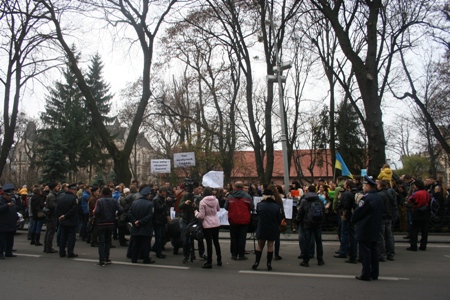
x=366 y=210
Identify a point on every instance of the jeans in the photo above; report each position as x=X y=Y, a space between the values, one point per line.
x=67 y=237
x=301 y=242
x=309 y=233
x=83 y=229
x=344 y=239
x=212 y=236
x=159 y=230
x=104 y=242
x=409 y=218
x=38 y=226
x=31 y=224
x=238 y=238
x=386 y=240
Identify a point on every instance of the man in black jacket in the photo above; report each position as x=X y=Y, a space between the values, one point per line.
x=8 y=219
x=52 y=219
x=367 y=217
x=67 y=213
x=105 y=213
x=160 y=219
x=141 y=215
x=311 y=216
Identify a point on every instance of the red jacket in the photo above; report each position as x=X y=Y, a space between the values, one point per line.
x=419 y=199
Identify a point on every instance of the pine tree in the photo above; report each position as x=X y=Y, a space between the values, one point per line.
x=55 y=164
x=100 y=91
x=65 y=114
x=350 y=142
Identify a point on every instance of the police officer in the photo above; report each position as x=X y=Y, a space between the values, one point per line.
x=368 y=217
x=8 y=220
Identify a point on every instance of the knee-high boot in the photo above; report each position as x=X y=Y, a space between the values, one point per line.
x=36 y=239
x=33 y=238
x=258 y=258
x=269 y=260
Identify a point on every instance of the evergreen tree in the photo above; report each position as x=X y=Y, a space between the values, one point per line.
x=55 y=164
x=350 y=142
x=100 y=91
x=65 y=114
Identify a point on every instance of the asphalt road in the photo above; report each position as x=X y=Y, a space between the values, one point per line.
x=37 y=275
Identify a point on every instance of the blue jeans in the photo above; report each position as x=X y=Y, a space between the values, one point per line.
x=409 y=219
x=386 y=240
x=309 y=233
x=38 y=225
x=301 y=242
x=344 y=239
x=238 y=238
x=104 y=241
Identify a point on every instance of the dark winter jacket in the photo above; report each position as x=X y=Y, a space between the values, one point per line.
x=141 y=210
x=269 y=219
x=50 y=203
x=160 y=210
x=367 y=217
x=305 y=205
x=8 y=215
x=67 y=206
x=105 y=211
x=37 y=204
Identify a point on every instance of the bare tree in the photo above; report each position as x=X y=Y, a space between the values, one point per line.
x=25 y=49
x=145 y=20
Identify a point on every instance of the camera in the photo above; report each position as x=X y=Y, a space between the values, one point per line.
x=189 y=185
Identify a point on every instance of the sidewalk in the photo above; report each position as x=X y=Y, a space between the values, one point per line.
x=438 y=238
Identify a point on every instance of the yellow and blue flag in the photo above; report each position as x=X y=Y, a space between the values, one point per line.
x=340 y=164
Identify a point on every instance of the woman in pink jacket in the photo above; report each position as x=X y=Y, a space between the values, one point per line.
x=209 y=206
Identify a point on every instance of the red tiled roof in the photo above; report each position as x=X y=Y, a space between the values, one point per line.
x=245 y=167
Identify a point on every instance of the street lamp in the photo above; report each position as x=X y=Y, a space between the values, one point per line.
x=279 y=68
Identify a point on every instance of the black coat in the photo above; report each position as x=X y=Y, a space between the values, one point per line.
x=160 y=212
x=269 y=219
x=368 y=216
x=8 y=216
x=141 y=210
x=67 y=206
x=37 y=204
x=105 y=210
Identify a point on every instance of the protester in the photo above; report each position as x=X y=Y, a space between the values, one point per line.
x=209 y=206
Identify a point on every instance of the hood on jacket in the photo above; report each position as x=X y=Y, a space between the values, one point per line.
x=239 y=194
x=310 y=196
x=210 y=201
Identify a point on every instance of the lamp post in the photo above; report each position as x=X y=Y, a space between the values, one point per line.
x=280 y=67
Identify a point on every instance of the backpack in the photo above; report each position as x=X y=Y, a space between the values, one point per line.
x=315 y=214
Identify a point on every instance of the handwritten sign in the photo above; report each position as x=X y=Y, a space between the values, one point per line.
x=160 y=166
x=186 y=159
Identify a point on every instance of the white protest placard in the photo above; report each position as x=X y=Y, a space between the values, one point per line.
x=160 y=165
x=213 y=179
x=186 y=159
x=287 y=206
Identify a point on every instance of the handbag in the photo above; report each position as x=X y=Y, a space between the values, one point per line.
x=283 y=226
x=40 y=214
x=195 y=229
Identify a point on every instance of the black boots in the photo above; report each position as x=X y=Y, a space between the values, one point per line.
x=33 y=238
x=258 y=258
x=36 y=239
x=269 y=260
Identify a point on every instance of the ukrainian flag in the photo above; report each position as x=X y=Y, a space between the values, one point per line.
x=340 y=164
